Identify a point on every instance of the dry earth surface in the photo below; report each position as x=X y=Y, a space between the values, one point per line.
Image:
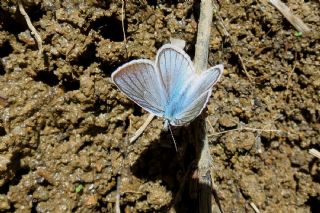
x=64 y=126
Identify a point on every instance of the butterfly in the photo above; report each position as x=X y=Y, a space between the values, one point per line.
x=169 y=87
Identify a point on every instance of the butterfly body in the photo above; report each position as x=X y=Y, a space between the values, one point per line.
x=170 y=87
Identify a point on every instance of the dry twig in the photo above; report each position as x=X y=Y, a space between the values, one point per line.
x=142 y=128
x=244 y=67
x=254 y=207
x=31 y=27
x=315 y=153
x=226 y=33
x=289 y=79
x=293 y=19
x=247 y=129
x=200 y=133
x=122 y=21
x=123 y=16
x=117 y=204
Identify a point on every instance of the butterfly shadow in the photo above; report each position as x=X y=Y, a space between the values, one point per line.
x=176 y=170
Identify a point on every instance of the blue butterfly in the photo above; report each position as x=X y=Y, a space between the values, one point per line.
x=170 y=87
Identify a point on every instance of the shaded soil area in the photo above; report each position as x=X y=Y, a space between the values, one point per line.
x=64 y=127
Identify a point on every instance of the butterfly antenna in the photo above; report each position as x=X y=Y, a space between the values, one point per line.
x=174 y=141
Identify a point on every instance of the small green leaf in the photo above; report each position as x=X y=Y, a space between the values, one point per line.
x=298 y=34
x=79 y=188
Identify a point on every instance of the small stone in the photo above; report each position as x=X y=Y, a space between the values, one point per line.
x=4 y=203
x=90 y=200
x=4 y=161
x=227 y=121
x=316 y=82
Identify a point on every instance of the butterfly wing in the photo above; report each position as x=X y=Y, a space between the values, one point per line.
x=175 y=68
x=141 y=82
x=196 y=95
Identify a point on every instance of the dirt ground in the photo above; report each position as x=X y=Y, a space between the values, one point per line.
x=64 y=127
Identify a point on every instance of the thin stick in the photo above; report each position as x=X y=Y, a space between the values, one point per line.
x=315 y=153
x=122 y=22
x=293 y=19
x=254 y=207
x=31 y=27
x=212 y=129
x=117 y=204
x=289 y=79
x=132 y=192
x=142 y=128
x=245 y=128
x=244 y=66
x=215 y=194
x=226 y=33
x=123 y=15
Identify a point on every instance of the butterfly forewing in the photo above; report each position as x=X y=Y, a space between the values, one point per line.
x=175 y=68
x=141 y=82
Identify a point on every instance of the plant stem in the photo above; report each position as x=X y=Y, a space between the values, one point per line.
x=203 y=36
x=201 y=141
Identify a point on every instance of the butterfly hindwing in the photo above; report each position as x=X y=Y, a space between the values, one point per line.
x=192 y=111
x=200 y=83
x=196 y=95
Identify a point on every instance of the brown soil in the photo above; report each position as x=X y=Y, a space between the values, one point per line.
x=64 y=126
